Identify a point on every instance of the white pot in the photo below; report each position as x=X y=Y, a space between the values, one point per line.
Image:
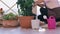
x=35 y=24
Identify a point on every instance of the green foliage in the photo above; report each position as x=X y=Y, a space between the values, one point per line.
x=9 y=16
x=26 y=7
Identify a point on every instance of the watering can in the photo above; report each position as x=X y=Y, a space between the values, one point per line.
x=51 y=22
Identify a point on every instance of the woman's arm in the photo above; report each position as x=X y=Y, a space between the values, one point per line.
x=47 y=1
x=35 y=4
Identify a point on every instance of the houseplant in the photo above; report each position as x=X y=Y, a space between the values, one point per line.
x=10 y=20
x=26 y=12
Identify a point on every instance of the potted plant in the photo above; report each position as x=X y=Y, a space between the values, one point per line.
x=10 y=20
x=26 y=11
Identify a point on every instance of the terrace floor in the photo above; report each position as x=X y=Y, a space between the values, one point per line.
x=20 y=30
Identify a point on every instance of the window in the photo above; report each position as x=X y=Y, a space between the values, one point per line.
x=9 y=6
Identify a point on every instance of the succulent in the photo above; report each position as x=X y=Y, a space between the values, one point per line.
x=10 y=16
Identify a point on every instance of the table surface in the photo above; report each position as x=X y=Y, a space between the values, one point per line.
x=20 y=30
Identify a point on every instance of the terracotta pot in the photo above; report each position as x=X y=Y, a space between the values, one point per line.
x=10 y=23
x=25 y=21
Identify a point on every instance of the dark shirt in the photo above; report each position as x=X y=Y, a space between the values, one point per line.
x=43 y=11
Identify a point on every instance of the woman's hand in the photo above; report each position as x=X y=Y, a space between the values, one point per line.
x=34 y=4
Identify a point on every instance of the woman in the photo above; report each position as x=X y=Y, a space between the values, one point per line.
x=43 y=11
x=53 y=8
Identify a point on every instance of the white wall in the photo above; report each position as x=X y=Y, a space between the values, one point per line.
x=59 y=1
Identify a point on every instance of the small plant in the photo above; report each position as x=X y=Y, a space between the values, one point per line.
x=10 y=16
